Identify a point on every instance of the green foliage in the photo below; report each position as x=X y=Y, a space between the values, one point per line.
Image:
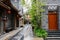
x=40 y=33
x=23 y=2
x=35 y=13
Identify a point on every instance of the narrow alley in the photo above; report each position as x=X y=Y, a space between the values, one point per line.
x=29 y=19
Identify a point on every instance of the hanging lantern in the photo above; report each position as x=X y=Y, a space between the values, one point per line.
x=9 y=12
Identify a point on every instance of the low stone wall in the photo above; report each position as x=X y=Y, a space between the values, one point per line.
x=10 y=34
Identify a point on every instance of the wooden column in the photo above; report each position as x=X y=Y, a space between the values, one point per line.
x=4 y=20
x=0 y=25
x=15 y=21
x=4 y=26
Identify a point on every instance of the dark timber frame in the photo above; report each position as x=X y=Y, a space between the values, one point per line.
x=8 y=16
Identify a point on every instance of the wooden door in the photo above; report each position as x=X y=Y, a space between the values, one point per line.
x=52 y=21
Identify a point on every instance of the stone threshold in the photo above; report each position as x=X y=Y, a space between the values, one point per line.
x=10 y=34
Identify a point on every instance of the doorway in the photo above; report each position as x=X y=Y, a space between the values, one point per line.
x=52 y=20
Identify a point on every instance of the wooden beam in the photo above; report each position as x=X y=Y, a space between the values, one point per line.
x=4 y=6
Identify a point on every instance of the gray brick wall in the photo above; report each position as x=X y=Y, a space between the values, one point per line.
x=45 y=22
x=52 y=1
x=59 y=17
x=45 y=16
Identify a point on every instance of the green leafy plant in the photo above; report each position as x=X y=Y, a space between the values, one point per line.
x=35 y=13
x=23 y=2
x=40 y=33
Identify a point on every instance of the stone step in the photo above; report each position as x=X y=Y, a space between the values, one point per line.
x=52 y=38
x=53 y=35
x=54 y=31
